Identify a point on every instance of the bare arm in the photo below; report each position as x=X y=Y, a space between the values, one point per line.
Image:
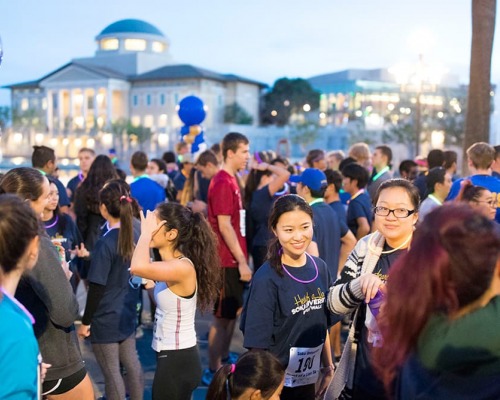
x=363 y=227
x=348 y=241
x=281 y=176
x=231 y=240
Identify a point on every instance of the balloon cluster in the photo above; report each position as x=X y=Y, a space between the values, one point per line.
x=192 y=112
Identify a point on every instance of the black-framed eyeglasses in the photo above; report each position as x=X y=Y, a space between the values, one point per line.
x=397 y=212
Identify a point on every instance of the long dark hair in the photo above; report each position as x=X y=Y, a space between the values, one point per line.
x=256 y=369
x=197 y=241
x=15 y=213
x=101 y=171
x=61 y=226
x=283 y=204
x=451 y=264
x=115 y=195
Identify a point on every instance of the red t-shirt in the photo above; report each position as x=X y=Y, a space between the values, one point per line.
x=224 y=198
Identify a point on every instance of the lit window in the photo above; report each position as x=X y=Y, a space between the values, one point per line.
x=44 y=104
x=148 y=121
x=24 y=104
x=109 y=44
x=158 y=47
x=162 y=120
x=135 y=120
x=135 y=44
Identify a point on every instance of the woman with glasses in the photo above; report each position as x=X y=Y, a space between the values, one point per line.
x=479 y=198
x=110 y=312
x=361 y=286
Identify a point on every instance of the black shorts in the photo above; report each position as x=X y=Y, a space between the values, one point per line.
x=64 y=385
x=230 y=298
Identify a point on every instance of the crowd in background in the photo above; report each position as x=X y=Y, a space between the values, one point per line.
x=364 y=281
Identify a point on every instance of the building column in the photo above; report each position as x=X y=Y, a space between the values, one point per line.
x=50 y=112
x=60 y=109
x=70 y=114
x=84 y=109
x=109 y=106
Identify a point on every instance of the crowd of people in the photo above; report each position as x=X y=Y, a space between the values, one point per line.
x=350 y=279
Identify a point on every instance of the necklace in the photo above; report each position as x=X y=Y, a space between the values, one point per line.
x=285 y=190
x=53 y=223
x=299 y=280
x=373 y=250
x=80 y=176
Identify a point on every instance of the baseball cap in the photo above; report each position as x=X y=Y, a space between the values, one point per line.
x=313 y=178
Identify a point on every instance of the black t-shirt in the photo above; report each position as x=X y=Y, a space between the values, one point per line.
x=281 y=313
x=115 y=317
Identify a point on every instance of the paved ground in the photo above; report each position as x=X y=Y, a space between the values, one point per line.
x=147 y=355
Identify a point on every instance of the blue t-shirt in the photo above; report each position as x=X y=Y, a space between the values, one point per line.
x=73 y=185
x=115 y=317
x=489 y=182
x=18 y=353
x=327 y=234
x=260 y=207
x=340 y=209
x=63 y=195
x=179 y=181
x=281 y=313
x=147 y=193
x=360 y=206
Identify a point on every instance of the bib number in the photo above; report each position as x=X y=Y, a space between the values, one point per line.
x=243 y=222
x=303 y=366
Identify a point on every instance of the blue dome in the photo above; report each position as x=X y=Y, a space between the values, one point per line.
x=131 y=26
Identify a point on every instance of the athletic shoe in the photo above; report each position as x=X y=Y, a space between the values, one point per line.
x=231 y=358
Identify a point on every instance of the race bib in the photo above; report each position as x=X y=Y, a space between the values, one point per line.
x=243 y=229
x=303 y=366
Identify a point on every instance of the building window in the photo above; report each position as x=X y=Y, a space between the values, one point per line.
x=176 y=98
x=158 y=47
x=148 y=99
x=55 y=101
x=162 y=99
x=44 y=104
x=109 y=44
x=135 y=44
x=148 y=121
x=135 y=100
x=25 y=104
x=135 y=120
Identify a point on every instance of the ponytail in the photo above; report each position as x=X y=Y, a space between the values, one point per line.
x=274 y=252
x=256 y=369
x=126 y=235
x=115 y=195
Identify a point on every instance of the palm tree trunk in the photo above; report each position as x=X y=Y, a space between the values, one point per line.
x=477 y=125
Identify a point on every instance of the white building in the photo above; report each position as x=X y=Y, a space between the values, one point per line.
x=132 y=77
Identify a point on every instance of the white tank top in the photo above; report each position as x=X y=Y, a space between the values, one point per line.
x=174 y=319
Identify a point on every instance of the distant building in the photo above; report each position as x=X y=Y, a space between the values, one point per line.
x=132 y=77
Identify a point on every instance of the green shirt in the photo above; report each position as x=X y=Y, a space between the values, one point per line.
x=470 y=343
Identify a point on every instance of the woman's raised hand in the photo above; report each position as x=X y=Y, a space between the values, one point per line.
x=149 y=223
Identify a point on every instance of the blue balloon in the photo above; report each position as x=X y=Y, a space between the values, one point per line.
x=199 y=139
x=184 y=130
x=191 y=110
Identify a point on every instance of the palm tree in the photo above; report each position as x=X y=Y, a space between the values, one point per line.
x=477 y=125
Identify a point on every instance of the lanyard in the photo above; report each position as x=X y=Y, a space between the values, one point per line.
x=434 y=199
x=356 y=195
x=316 y=201
x=379 y=174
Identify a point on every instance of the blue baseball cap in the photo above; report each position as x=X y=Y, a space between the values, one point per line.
x=313 y=178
